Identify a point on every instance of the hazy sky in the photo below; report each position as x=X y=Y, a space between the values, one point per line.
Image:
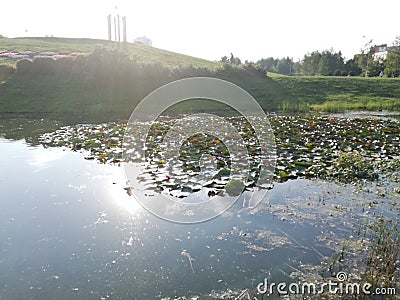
x=210 y=29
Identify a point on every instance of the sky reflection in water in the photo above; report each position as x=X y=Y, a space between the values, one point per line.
x=68 y=230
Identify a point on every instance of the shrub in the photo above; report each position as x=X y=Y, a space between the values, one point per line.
x=64 y=65
x=43 y=65
x=255 y=69
x=24 y=66
x=6 y=71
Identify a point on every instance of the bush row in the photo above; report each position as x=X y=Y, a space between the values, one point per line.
x=105 y=65
x=5 y=71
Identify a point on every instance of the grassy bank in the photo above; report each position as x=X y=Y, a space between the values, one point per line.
x=334 y=94
x=94 y=99
x=108 y=82
x=111 y=89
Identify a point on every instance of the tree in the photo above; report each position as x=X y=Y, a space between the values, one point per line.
x=392 y=63
x=324 y=63
x=351 y=67
x=375 y=67
x=324 y=67
x=330 y=63
x=364 y=59
x=309 y=64
x=224 y=59
x=285 y=66
x=269 y=64
x=361 y=61
x=368 y=65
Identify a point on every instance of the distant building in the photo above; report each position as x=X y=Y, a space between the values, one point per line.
x=143 y=40
x=380 y=52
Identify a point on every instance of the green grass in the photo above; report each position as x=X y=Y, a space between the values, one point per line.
x=64 y=95
x=274 y=93
x=335 y=94
x=323 y=93
x=62 y=45
x=86 y=98
x=67 y=45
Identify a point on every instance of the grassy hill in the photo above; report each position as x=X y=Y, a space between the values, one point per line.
x=105 y=91
x=67 y=45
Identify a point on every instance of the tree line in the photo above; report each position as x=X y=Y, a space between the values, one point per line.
x=332 y=63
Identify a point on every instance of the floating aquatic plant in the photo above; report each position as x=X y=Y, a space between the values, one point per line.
x=353 y=166
x=347 y=150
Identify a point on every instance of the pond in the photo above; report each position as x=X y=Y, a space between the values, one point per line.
x=70 y=230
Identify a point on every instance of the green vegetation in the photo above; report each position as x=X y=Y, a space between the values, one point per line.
x=343 y=150
x=332 y=63
x=352 y=166
x=109 y=81
x=325 y=63
x=138 y=51
x=5 y=72
x=41 y=44
x=337 y=94
x=383 y=253
x=377 y=242
x=392 y=62
x=283 y=66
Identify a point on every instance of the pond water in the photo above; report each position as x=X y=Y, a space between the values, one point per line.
x=69 y=230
